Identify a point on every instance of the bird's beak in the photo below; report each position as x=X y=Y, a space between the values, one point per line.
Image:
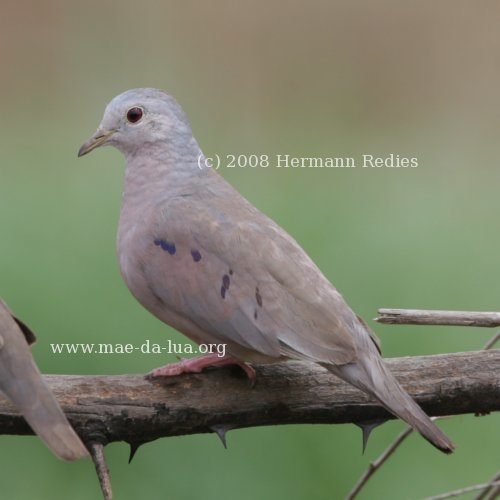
x=98 y=139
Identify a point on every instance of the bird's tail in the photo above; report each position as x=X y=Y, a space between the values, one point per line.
x=22 y=382
x=35 y=401
x=371 y=375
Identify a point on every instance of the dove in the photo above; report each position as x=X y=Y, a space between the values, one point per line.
x=203 y=259
x=22 y=382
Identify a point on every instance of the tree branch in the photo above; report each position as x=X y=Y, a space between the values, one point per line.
x=129 y=408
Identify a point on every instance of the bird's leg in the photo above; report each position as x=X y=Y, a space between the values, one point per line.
x=197 y=364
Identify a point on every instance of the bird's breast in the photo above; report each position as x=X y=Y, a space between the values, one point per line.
x=136 y=255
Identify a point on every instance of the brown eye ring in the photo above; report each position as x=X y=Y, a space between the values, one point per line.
x=135 y=114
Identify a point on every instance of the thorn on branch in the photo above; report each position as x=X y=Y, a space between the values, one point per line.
x=133 y=449
x=367 y=428
x=221 y=431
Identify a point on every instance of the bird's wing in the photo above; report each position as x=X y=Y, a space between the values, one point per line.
x=243 y=280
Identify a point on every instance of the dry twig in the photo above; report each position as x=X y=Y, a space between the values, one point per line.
x=101 y=467
x=490 y=492
x=492 y=341
x=463 y=491
x=431 y=317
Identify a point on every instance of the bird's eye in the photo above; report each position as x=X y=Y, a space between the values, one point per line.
x=134 y=114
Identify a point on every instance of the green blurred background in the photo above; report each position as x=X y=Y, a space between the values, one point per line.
x=319 y=78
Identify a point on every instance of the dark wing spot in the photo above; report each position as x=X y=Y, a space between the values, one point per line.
x=226 y=281
x=231 y=272
x=168 y=246
x=223 y=292
x=255 y=314
x=258 y=297
x=196 y=255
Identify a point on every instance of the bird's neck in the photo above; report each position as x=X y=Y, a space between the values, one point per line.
x=162 y=173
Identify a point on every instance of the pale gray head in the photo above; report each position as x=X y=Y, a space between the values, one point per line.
x=141 y=118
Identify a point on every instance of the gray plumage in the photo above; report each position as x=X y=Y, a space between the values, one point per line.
x=201 y=258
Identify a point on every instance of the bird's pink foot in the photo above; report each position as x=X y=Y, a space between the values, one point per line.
x=196 y=365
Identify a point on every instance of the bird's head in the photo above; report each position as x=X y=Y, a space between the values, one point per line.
x=138 y=119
